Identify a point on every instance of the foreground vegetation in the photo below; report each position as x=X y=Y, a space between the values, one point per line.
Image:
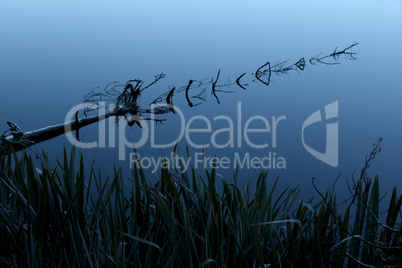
x=62 y=217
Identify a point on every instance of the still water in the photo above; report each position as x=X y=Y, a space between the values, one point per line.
x=53 y=53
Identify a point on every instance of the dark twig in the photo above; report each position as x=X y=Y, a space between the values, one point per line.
x=200 y=96
x=77 y=135
x=324 y=199
x=238 y=81
x=213 y=86
x=169 y=99
x=280 y=68
x=157 y=78
x=301 y=64
x=156 y=120
x=187 y=89
x=376 y=149
x=335 y=55
x=263 y=73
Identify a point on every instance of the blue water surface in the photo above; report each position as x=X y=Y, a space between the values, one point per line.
x=53 y=53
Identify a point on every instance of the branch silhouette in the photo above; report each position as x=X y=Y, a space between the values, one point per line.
x=335 y=56
x=214 y=85
x=239 y=83
x=124 y=100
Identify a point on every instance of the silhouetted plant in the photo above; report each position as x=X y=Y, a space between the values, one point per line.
x=53 y=217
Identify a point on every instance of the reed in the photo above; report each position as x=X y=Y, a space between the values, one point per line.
x=60 y=216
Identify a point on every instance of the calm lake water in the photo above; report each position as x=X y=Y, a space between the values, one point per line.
x=52 y=54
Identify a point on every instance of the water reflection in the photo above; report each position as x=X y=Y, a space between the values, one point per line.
x=122 y=100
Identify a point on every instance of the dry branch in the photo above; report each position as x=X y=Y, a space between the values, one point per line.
x=124 y=98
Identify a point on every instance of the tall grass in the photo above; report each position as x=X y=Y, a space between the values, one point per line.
x=53 y=217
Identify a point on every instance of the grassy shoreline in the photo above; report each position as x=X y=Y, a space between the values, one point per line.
x=50 y=218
